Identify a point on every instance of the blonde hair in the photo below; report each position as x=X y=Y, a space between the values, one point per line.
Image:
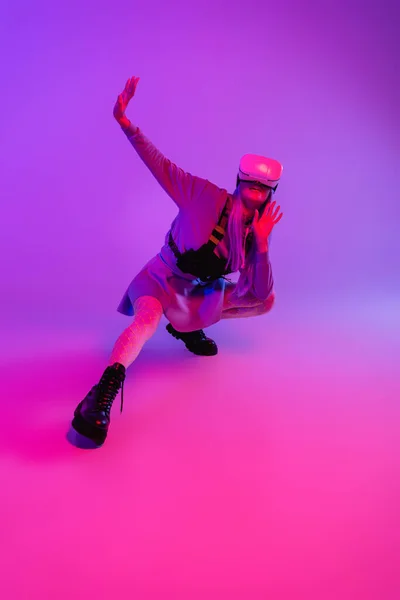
x=236 y=230
x=238 y=259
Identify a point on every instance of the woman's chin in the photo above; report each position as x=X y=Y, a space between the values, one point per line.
x=253 y=203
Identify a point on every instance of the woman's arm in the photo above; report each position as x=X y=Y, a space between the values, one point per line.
x=262 y=270
x=256 y=279
x=263 y=281
x=181 y=186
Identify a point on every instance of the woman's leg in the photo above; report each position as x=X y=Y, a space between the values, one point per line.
x=92 y=415
x=247 y=306
x=148 y=312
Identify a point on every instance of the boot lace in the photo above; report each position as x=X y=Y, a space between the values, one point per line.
x=110 y=385
x=198 y=335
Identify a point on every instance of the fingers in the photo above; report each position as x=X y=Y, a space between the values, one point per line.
x=130 y=87
x=272 y=211
x=268 y=211
x=270 y=208
x=133 y=81
x=126 y=94
x=276 y=212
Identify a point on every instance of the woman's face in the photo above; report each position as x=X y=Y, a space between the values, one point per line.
x=253 y=194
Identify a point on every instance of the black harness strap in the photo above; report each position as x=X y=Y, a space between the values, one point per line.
x=216 y=236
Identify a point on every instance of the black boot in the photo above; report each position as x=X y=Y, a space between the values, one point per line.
x=195 y=341
x=92 y=415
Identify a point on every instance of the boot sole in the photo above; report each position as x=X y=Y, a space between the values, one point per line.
x=176 y=335
x=83 y=427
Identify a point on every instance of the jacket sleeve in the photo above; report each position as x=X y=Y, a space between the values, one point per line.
x=262 y=279
x=181 y=187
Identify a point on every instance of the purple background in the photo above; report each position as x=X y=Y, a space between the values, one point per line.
x=314 y=85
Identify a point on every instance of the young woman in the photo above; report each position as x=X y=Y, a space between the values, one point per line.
x=215 y=233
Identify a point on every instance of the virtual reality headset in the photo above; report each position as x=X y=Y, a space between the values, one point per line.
x=260 y=169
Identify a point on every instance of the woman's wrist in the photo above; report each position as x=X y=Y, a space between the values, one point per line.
x=124 y=122
x=262 y=246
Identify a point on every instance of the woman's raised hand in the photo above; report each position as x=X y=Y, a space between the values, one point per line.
x=124 y=99
x=262 y=226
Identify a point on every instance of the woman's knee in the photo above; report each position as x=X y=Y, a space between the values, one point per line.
x=269 y=302
x=149 y=310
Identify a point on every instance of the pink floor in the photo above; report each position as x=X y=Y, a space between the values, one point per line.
x=269 y=471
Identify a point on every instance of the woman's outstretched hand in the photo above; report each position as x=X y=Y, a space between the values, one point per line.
x=262 y=226
x=123 y=101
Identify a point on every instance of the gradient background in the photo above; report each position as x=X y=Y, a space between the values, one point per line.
x=272 y=470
